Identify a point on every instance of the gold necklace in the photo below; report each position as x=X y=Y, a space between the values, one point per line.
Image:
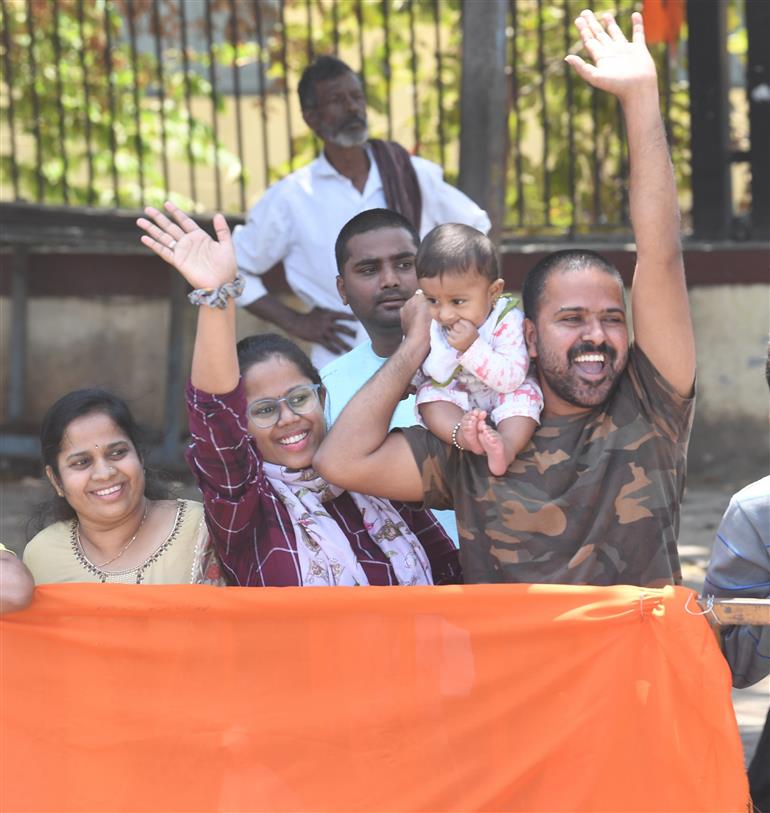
x=124 y=548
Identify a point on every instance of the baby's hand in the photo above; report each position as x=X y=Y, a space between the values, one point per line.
x=462 y=334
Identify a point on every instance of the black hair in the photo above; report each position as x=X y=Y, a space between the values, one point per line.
x=370 y=220
x=321 y=69
x=254 y=349
x=456 y=248
x=70 y=407
x=570 y=259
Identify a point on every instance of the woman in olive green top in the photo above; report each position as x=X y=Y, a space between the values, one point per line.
x=114 y=523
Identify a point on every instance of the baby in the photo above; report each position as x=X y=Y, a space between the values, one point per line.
x=478 y=361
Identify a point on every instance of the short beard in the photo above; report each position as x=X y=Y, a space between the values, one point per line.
x=345 y=138
x=582 y=394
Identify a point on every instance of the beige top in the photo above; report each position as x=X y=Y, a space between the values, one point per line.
x=54 y=555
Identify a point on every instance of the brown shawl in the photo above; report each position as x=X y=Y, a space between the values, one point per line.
x=399 y=180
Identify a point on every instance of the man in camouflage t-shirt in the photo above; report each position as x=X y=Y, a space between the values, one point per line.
x=592 y=500
x=595 y=496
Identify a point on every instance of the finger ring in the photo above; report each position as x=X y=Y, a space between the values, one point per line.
x=172 y=244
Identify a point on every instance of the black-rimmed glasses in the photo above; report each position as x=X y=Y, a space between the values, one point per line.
x=301 y=400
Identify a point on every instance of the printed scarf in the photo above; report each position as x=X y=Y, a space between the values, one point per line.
x=325 y=554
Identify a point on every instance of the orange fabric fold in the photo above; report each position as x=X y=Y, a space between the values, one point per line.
x=486 y=697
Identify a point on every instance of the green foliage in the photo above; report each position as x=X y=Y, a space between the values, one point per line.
x=95 y=111
x=551 y=189
x=539 y=196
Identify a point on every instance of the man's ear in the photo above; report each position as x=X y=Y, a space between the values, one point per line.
x=54 y=480
x=341 y=289
x=530 y=337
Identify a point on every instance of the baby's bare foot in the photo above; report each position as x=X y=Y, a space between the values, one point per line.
x=492 y=443
x=468 y=435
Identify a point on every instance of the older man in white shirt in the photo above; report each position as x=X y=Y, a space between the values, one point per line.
x=297 y=220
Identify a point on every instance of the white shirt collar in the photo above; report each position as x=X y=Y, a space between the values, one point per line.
x=323 y=168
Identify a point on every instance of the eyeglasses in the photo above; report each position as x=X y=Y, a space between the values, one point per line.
x=301 y=400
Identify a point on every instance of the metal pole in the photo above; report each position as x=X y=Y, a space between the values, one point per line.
x=484 y=107
x=19 y=321
x=758 y=91
x=709 y=112
x=175 y=374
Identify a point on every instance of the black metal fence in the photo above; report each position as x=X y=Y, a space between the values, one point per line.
x=120 y=103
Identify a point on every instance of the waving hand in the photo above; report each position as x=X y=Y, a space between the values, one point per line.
x=204 y=263
x=619 y=65
x=181 y=242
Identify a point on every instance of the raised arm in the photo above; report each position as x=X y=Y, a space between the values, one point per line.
x=358 y=453
x=661 y=311
x=226 y=468
x=204 y=263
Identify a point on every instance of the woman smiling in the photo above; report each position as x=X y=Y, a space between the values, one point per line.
x=115 y=523
x=256 y=419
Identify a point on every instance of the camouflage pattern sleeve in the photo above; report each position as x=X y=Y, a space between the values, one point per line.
x=659 y=403
x=437 y=461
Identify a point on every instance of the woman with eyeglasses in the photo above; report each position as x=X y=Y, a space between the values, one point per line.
x=256 y=418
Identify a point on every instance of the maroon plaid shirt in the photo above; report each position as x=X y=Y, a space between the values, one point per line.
x=250 y=525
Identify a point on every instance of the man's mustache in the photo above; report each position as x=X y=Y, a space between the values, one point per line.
x=354 y=121
x=392 y=296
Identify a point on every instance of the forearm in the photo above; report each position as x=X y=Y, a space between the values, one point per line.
x=652 y=190
x=273 y=310
x=214 y=363
x=661 y=308
x=363 y=425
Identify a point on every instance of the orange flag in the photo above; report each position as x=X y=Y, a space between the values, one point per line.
x=486 y=697
x=663 y=20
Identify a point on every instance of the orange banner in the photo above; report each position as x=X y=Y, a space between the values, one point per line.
x=486 y=697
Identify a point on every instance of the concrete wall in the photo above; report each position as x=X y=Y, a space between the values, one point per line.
x=731 y=419
x=116 y=342
x=120 y=342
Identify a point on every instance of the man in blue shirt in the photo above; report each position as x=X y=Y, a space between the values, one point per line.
x=740 y=568
x=375 y=258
